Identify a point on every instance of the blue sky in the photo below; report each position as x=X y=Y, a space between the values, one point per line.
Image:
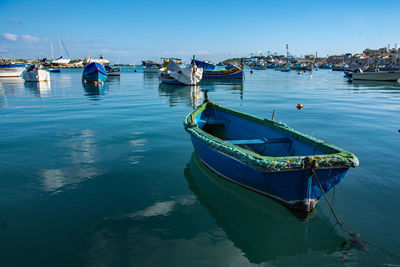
x=129 y=31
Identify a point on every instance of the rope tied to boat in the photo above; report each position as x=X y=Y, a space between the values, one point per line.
x=355 y=238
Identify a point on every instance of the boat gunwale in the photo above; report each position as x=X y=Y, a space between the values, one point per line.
x=335 y=157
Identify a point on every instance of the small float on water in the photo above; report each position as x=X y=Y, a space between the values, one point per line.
x=266 y=156
x=94 y=72
x=174 y=74
x=36 y=74
x=229 y=72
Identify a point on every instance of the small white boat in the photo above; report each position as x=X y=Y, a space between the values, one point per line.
x=174 y=74
x=376 y=75
x=36 y=74
x=11 y=70
x=61 y=60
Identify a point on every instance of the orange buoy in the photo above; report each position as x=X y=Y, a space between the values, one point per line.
x=299 y=106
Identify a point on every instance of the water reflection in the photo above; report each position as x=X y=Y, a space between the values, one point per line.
x=39 y=89
x=54 y=180
x=191 y=95
x=83 y=155
x=114 y=78
x=12 y=86
x=94 y=91
x=138 y=143
x=235 y=86
x=263 y=229
x=150 y=75
x=375 y=84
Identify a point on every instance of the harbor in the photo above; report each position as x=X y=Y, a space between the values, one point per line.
x=117 y=167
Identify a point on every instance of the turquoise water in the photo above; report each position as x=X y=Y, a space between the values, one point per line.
x=107 y=176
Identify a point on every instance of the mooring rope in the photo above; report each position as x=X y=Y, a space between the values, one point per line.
x=356 y=237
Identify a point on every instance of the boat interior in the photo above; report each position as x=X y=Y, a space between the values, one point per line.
x=253 y=136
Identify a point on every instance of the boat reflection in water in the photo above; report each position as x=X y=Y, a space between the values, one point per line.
x=263 y=229
x=192 y=95
x=234 y=86
x=375 y=84
x=12 y=86
x=94 y=91
x=39 y=89
x=151 y=75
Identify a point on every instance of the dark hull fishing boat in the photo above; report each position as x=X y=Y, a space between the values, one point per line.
x=94 y=72
x=266 y=156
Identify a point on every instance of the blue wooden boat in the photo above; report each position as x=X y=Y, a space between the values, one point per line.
x=94 y=72
x=230 y=71
x=266 y=156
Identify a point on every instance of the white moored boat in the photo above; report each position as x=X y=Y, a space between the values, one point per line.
x=36 y=74
x=376 y=76
x=11 y=70
x=174 y=74
x=61 y=60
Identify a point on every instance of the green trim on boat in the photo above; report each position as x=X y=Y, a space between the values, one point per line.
x=335 y=156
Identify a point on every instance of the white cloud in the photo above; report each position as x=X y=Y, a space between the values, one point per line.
x=115 y=51
x=29 y=38
x=202 y=53
x=26 y=38
x=9 y=36
x=15 y=21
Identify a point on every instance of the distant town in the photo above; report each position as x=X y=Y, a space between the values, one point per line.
x=378 y=57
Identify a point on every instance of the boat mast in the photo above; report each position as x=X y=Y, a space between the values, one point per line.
x=52 y=56
x=59 y=42
x=287 y=53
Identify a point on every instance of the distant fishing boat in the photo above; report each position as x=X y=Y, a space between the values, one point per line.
x=174 y=74
x=258 y=66
x=11 y=70
x=340 y=67
x=94 y=72
x=113 y=71
x=150 y=66
x=229 y=72
x=391 y=76
x=266 y=156
x=36 y=74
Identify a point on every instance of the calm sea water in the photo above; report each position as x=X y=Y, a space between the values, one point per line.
x=108 y=177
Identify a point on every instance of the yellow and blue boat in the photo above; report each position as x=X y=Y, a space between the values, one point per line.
x=210 y=71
